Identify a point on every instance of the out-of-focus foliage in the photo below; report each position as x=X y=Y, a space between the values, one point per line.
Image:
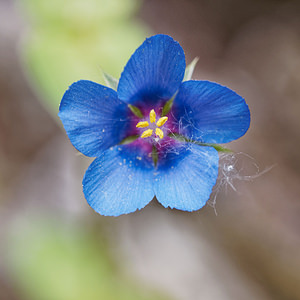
x=75 y=39
x=50 y=262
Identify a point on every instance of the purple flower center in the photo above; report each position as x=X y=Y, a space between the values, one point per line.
x=154 y=133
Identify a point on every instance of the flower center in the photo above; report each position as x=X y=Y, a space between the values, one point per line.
x=152 y=126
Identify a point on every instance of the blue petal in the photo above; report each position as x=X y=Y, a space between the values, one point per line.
x=155 y=70
x=93 y=116
x=185 y=179
x=211 y=113
x=118 y=183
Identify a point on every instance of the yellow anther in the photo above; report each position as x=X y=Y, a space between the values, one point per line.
x=142 y=124
x=147 y=133
x=152 y=116
x=162 y=121
x=159 y=132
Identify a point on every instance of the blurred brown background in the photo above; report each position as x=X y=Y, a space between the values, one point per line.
x=250 y=248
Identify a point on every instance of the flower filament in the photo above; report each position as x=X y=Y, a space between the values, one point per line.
x=152 y=118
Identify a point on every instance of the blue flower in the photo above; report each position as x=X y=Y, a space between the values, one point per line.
x=155 y=135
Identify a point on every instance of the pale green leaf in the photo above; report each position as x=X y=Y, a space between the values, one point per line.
x=167 y=107
x=190 y=69
x=110 y=81
x=136 y=111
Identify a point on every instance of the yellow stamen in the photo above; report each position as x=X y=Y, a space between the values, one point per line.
x=142 y=124
x=147 y=133
x=159 y=132
x=152 y=116
x=162 y=121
